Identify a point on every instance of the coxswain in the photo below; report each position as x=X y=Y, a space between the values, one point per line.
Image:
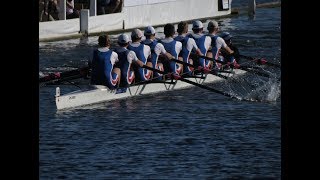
x=232 y=58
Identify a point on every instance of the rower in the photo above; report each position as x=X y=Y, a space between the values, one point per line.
x=156 y=49
x=202 y=41
x=236 y=55
x=103 y=70
x=173 y=47
x=143 y=52
x=217 y=43
x=188 y=44
x=126 y=57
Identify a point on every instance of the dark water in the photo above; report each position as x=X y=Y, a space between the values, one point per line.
x=185 y=134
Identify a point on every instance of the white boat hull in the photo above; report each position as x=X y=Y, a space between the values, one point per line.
x=99 y=94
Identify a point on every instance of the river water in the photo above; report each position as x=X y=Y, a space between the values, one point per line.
x=172 y=135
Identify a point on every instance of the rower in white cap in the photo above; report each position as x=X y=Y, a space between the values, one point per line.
x=188 y=45
x=157 y=49
x=202 y=41
x=217 y=42
x=143 y=53
x=126 y=57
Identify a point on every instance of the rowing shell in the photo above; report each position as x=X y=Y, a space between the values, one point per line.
x=98 y=94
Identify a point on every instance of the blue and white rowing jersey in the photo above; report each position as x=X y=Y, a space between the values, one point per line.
x=173 y=47
x=102 y=65
x=143 y=52
x=203 y=42
x=216 y=44
x=126 y=57
x=156 y=49
x=188 y=44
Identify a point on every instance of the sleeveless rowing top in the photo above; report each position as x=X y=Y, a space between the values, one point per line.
x=127 y=76
x=154 y=55
x=102 y=69
x=200 y=41
x=144 y=74
x=215 y=51
x=171 y=48
x=185 y=52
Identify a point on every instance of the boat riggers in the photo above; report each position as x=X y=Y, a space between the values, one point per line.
x=208 y=58
x=203 y=70
x=260 y=61
x=195 y=84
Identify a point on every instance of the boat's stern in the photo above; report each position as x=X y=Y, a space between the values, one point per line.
x=57 y=92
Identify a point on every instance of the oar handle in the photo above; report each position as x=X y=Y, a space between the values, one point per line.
x=153 y=69
x=199 y=68
x=209 y=58
x=161 y=72
x=184 y=63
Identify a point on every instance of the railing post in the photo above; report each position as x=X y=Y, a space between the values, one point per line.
x=93 y=7
x=62 y=9
x=251 y=7
x=84 y=21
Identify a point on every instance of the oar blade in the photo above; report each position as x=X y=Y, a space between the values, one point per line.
x=64 y=76
x=261 y=61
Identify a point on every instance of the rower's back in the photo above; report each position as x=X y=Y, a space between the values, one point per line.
x=173 y=47
x=203 y=42
x=103 y=63
x=142 y=52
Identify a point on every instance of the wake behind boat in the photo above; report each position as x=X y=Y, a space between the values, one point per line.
x=99 y=94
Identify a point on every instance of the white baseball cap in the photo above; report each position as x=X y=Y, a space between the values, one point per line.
x=149 y=30
x=123 y=38
x=137 y=33
x=197 y=24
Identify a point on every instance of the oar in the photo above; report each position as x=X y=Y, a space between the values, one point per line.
x=208 y=58
x=64 y=76
x=260 y=61
x=246 y=68
x=211 y=72
x=196 y=84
